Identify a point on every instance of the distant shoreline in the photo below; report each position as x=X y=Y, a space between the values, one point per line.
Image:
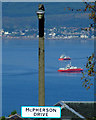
x=29 y=38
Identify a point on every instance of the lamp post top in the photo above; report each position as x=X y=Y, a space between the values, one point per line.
x=41 y=7
x=41 y=11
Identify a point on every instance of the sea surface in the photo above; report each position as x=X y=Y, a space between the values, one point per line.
x=20 y=72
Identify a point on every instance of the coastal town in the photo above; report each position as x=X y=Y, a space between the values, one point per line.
x=50 y=33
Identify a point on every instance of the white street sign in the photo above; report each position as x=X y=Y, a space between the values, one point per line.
x=40 y=112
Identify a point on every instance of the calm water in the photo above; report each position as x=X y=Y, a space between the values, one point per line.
x=20 y=72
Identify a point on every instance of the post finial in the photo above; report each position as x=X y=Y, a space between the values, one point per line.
x=41 y=7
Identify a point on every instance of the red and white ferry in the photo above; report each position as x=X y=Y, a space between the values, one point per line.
x=63 y=57
x=70 y=68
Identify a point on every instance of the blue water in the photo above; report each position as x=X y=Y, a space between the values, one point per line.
x=20 y=72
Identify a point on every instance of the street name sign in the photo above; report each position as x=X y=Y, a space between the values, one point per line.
x=40 y=112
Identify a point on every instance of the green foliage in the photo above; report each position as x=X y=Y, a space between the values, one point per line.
x=89 y=73
x=3 y=118
x=92 y=8
x=14 y=112
x=93 y=118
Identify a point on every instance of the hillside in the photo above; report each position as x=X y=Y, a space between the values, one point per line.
x=18 y=15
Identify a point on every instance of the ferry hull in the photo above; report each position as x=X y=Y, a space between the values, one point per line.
x=64 y=59
x=71 y=70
